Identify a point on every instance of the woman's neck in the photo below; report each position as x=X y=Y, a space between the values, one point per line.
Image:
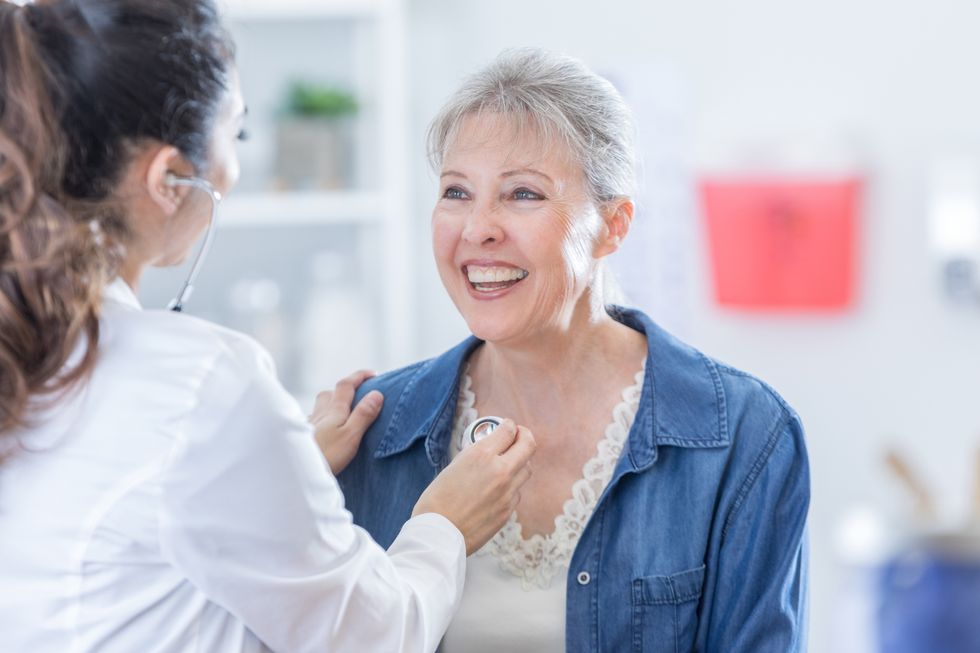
x=542 y=377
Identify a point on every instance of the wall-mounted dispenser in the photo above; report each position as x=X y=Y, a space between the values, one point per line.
x=954 y=224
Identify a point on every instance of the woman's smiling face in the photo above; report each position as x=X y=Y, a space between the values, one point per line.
x=513 y=230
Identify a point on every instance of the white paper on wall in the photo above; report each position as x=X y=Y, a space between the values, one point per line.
x=653 y=266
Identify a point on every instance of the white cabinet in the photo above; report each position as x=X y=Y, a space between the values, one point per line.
x=322 y=277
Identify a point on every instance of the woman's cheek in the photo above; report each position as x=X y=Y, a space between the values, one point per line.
x=444 y=239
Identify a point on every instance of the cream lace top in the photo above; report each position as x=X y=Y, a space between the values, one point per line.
x=514 y=596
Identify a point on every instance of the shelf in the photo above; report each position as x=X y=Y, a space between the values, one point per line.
x=253 y=209
x=364 y=44
x=243 y=10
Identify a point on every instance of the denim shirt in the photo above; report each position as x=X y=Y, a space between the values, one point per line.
x=698 y=542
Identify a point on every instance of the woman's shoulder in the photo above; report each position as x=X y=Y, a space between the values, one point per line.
x=752 y=413
x=704 y=399
x=424 y=381
x=415 y=398
x=746 y=392
x=393 y=381
x=733 y=427
x=763 y=429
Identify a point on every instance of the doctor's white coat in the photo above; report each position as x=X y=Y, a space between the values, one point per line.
x=178 y=502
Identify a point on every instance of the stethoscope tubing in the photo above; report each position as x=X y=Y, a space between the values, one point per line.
x=177 y=303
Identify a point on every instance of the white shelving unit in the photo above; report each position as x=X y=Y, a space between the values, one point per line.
x=378 y=66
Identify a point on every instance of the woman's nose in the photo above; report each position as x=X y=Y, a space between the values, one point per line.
x=483 y=225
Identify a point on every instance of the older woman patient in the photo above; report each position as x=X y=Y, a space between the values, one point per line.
x=668 y=506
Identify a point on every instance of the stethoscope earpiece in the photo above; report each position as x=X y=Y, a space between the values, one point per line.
x=177 y=304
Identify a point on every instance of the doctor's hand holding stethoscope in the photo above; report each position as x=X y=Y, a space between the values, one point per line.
x=159 y=490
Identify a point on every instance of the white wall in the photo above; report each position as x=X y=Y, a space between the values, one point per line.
x=896 y=84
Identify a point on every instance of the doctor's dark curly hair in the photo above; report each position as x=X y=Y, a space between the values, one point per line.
x=81 y=83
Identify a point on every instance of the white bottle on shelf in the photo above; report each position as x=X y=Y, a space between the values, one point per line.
x=255 y=309
x=337 y=333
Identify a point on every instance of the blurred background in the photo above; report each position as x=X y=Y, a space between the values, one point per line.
x=831 y=146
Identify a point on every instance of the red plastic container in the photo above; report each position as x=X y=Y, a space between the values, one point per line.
x=783 y=244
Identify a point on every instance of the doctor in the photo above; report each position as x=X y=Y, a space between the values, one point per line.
x=159 y=490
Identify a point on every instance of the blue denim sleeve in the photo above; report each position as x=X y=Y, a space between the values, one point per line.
x=760 y=581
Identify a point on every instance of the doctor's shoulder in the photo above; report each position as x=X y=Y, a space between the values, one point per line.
x=183 y=346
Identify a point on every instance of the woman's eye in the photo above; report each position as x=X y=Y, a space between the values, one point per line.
x=525 y=194
x=242 y=135
x=454 y=193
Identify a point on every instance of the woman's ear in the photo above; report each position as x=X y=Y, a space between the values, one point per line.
x=617 y=215
x=161 y=164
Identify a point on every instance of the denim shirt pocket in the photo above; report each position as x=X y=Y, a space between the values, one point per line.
x=665 y=611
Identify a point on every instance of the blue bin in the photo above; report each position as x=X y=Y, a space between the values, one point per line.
x=930 y=597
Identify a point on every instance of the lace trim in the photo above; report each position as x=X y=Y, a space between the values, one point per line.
x=538 y=559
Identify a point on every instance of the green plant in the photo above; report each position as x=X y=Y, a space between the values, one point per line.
x=320 y=100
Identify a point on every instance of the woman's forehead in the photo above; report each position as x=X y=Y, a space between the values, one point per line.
x=516 y=139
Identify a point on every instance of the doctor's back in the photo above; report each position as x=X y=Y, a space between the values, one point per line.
x=108 y=509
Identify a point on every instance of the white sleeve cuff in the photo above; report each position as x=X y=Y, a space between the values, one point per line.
x=436 y=526
x=430 y=555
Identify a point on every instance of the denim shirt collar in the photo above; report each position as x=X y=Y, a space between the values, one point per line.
x=682 y=402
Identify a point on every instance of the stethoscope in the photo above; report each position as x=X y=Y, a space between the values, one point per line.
x=479 y=429
x=177 y=303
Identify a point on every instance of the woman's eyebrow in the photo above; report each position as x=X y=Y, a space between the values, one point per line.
x=527 y=171
x=452 y=173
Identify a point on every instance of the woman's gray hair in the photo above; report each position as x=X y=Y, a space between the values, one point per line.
x=559 y=98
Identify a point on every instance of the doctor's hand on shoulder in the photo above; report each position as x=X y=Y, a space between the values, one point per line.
x=338 y=426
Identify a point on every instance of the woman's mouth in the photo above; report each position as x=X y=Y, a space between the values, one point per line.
x=493 y=279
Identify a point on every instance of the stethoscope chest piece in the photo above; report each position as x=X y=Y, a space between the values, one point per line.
x=479 y=429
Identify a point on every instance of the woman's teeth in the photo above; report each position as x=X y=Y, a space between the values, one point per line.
x=494 y=278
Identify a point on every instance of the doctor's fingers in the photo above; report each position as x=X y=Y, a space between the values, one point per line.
x=520 y=452
x=365 y=412
x=320 y=405
x=521 y=477
x=501 y=439
x=334 y=407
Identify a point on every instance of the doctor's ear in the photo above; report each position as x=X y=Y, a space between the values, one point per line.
x=617 y=216
x=163 y=165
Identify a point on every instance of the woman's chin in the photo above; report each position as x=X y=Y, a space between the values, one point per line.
x=487 y=330
x=496 y=330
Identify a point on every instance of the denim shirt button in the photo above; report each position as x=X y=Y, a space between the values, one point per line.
x=583 y=578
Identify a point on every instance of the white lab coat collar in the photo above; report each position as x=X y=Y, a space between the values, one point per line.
x=119 y=292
